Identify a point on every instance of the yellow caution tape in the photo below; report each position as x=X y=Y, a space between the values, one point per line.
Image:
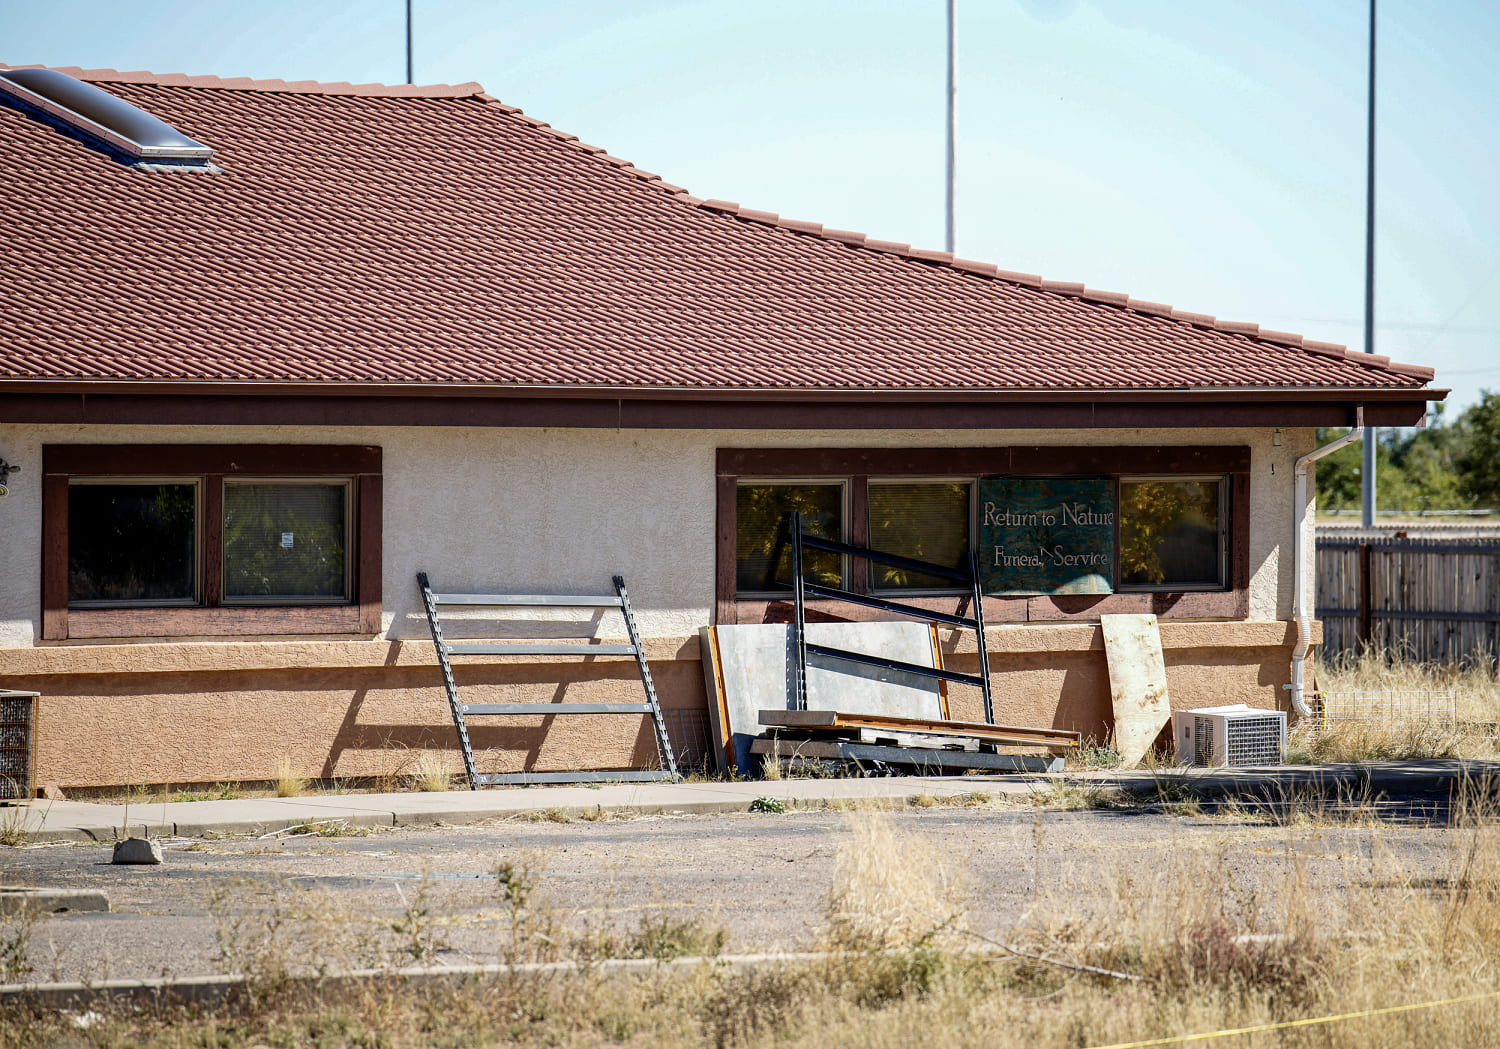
x=1283 y=1025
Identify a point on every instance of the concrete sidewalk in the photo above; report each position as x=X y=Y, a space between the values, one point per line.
x=91 y=821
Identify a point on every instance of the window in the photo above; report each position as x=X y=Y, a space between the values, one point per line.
x=926 y=521
x=173 y=540
x=763 y=549
x=133 y=543
x=286 y=541
x=1179 y=548
x=1171 y=533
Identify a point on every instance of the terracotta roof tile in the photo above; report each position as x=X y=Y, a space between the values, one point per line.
x=411 y=235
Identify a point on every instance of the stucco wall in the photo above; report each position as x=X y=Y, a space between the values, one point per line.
x=562 y=510
x=539 y=511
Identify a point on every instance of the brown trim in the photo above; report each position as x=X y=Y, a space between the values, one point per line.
x=726 y=518
x=368 y=589
x=291 y=459
x=211 y=463
x=212 y=622
x=858 y=464
x=213 y=539
x=858 y=570
x=1043 y=461
x=54 y=557
x=739 y=410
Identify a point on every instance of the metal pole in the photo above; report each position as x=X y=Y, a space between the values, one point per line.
x=408 y=42
x=1372 y=441
x=948 y=239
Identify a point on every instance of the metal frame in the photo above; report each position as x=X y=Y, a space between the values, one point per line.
x=801 y=589
x=460 y=710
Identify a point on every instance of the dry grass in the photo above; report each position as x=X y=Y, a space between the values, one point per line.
x=432 y=773
x=893 y=891
x=1185 y=945
x=288 y=783
x=1473 y=731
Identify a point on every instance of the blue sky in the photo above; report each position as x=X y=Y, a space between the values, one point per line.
x=1206 y=154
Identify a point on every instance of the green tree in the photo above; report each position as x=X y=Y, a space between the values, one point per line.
x=1478 y=460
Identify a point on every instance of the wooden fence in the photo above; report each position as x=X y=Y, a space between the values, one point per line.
x=1433 y=600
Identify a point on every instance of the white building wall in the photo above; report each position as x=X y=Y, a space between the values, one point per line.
x=561 y=510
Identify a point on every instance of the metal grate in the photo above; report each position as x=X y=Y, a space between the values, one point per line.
x=1254 y=740
x=1203 y=741
x=17 y=744
x=688 y=730
x=1437 y=708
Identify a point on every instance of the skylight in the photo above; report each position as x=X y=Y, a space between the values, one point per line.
x=97 y=114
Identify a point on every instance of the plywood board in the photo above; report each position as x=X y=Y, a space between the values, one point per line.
x=1137 y=683
x=753 y=665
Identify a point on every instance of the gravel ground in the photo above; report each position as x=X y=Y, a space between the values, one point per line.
x=764 y=878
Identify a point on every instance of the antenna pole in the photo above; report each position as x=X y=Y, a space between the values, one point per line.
x=408 y=42
x=948 y=239
x=1372 y=441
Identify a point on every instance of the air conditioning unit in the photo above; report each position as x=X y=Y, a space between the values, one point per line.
x=1237 y=735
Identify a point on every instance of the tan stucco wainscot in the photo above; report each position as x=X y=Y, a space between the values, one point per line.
x=543 y=511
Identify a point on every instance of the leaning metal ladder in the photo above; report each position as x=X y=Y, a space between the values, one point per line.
x=802 y=588
x=461 y=710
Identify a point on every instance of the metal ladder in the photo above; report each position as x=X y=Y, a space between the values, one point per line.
x=461 y=710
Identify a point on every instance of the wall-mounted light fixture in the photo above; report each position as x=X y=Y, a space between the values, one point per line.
x=1276 y=438
x=6 y=469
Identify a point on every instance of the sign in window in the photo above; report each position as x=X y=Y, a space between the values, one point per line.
x=1041 y=535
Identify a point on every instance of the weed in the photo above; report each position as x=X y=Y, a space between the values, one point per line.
x=339 y=828
x=768 y=804
x=663 y=937
x=13 y=825
x=1093 y=755
x=15 y=941
x=555 y=814
x=414 y=927
x=1072 y=795
x=432 y=773
x=923 y=801
x=288 y=783
x=770 y=767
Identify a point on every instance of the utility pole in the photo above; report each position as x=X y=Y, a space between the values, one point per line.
x=1372 y=440
x=948 y=240
x=408 y=41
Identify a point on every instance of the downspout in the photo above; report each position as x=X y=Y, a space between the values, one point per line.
x=1300 y=613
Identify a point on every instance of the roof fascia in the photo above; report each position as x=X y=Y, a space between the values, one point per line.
x=704 y=414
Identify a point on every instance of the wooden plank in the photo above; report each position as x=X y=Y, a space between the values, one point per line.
x=834 y=719
x=839 y=750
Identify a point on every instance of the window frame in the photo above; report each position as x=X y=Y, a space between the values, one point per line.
x=358 y=465
x=859 y=465
x=1224 y=483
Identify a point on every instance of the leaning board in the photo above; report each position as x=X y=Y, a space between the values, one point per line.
x=1137 y=683
x=749 y=667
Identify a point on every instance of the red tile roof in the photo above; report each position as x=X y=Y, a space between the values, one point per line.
x=434 y=235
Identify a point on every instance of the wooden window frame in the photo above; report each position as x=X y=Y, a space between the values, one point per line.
x=359 y=464
x=858 y=465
